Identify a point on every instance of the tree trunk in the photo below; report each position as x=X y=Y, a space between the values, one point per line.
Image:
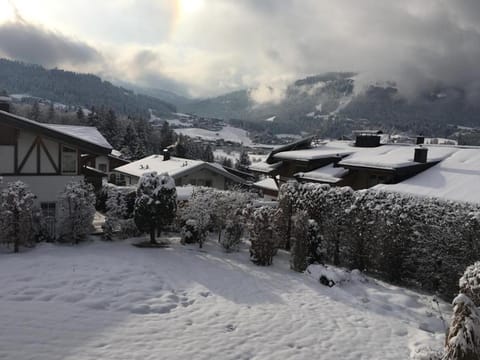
x=152 y=236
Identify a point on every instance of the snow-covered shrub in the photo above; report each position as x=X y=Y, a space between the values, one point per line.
x=76 y=211
x=470 y=283
x=316 y=252
x=463 y=338
x=233 y=235
x=120 y=201
x=331 y=275
x=193 y=233
x=263 y=235
x=299 y=242
x=212 y=209
x=155 y=204
x=16 y=215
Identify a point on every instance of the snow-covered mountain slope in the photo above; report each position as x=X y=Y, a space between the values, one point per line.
x=104 y=300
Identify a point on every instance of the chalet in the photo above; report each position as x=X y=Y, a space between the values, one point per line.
x=364 y=163
x=45 y=156
x=184 y=171
x=98 y=168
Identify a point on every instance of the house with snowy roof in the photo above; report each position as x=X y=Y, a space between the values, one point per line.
x=184 y=171
x=44 y=156
x=420 y=169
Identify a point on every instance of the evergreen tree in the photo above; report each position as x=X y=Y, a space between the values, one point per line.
x=155 y=204
x=167 y=136
x=208 y=154
x=35 y=111
x=80 y=115
x=244 y=161
x=51 y=113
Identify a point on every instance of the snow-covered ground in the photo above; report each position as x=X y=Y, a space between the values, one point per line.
x=110 y=300
x=228 y=133
x=235 y=155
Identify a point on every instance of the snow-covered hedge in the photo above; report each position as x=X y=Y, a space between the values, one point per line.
x=405 y=239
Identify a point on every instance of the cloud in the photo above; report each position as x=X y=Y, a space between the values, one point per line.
x=226 y=45
x=35 y=44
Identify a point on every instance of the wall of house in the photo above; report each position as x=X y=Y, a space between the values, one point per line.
x=46 y=188
x=102 y=160
x=48 y=162
x=202 y=178
x=7 y=154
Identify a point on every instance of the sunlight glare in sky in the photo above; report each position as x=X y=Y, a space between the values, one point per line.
x=191 y=6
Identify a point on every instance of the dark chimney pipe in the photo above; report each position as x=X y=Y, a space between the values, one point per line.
x=166 y=155
x=420 y=155
x=5 y=103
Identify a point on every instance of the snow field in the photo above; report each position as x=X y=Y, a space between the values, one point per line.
x=104 y=300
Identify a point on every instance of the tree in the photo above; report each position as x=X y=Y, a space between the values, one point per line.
x=167 y=137
x=35 y=111
x=80 y=115
x=155 y=204
x=76 y=211
x=51 y=113
x=244 y=161
x=16 y=210
x=463 y=338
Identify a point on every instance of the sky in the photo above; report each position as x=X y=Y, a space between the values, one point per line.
x=205 y=48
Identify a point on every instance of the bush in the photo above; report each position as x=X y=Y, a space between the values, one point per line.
x=16 y=215
x=264 y=238
x=470 y=283
x=193 y=233
x=76 y=211
x=233 y=236
x=119 y=219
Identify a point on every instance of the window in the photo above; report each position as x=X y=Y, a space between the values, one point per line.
x=48 y=209
x=208 y=183
x=102 y=167
x=69 y=160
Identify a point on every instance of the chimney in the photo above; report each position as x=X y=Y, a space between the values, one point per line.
x=166 y=155
x=420 y=155
x=420 y=140
x=5 y=103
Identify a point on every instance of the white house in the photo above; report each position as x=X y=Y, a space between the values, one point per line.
x=44 y=156
x=184 y=171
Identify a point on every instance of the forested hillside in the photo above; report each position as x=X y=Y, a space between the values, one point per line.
x=76 y=89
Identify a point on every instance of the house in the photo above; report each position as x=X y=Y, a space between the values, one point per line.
x=45 y=156
x=456 y=178
x=184 y=171
x=368 y=162
x=100 y=167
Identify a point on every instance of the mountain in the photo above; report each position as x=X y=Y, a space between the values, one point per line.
x=329 y=105
x=76 y=89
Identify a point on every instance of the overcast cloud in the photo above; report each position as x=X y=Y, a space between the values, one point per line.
x=213 y=46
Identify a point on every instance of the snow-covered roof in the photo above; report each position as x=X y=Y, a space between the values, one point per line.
x=455 y=178
x=86 y=133
x=391 y=157
x=328 y=174
x=85 y=137
x=321 y=152
x=263 y=167
x=267 y=184
x=175 y=167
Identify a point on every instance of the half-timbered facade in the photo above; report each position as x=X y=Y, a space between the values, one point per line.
x=45 y=156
